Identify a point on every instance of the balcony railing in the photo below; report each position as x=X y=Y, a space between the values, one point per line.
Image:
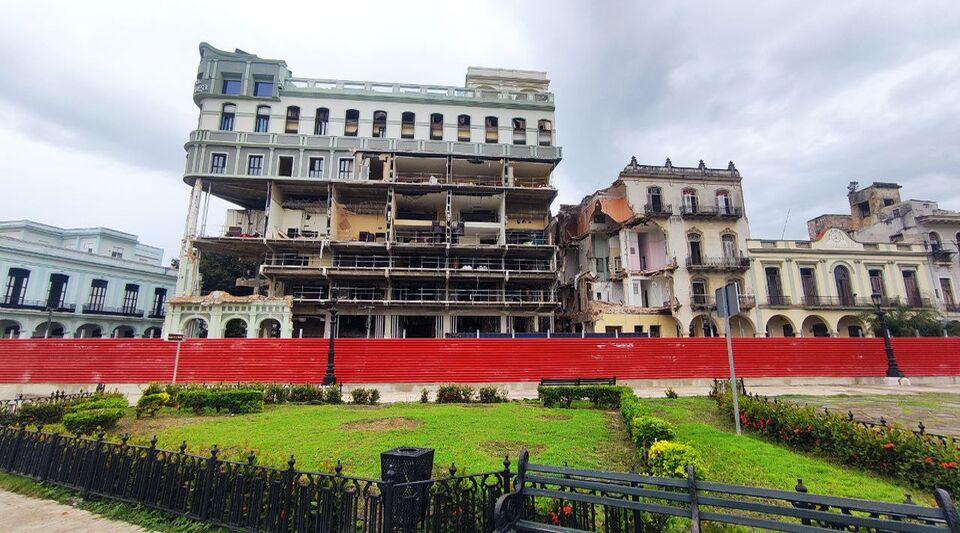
x=89 y=309
x=157 y=313
x=702 y=301
x=718 y=263
x=951 y=308
x=748 y=301
x=848 y=302
x=36 y=305
x=778 y=301
x=419 y=237
x=710 y=211
x=661 y=210
x=425 y=294
x=939 y=255
x=530 y=238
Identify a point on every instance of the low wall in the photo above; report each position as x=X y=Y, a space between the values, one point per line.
x=82 y=361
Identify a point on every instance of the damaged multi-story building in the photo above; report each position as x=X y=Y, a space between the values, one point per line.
x=646 y=254
x=419 y=210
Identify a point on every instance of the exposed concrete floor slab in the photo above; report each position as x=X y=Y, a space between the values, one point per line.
x=22 y=514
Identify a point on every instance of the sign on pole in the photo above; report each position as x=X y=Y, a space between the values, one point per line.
x=174 y=336
x=178 y=338
x=728 y=304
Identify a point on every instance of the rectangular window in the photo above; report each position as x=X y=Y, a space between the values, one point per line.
x=293 y=120
x=231 y=86
x=263 y=88
x=117 y=252
x=17 y=279
x=655 y=331
x=636 y=288
x=262 y=125
x=255 y=165
x=218 y=163
x=316 y=167
x=130 y=293
x=98 y=292
x=808 y=282
x=436 y=127
x=876 y=282
x=159 y=301
x=320 y=122
x=227 y=116
x=58 y=291
x=345 y=170
x=285 y=168
x=519 y=131
x=463 y=128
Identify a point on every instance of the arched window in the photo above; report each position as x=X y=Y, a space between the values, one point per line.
x=841 y=276
x=545 y=132
x=380 y=124
x=696 y=250
x=935 y=243
x=491 y=127
x=519 y=131
x=293 y=120
x=408 y=121
x=263 y=119
x=235 y=328
x=436 y=127
x=463 y=128
x=321 y=120
x=352 y=123
x=654 y=200
x=724 y=207
x=16 y=286
x=690 y=201
x=728 y=244
x=227 y=117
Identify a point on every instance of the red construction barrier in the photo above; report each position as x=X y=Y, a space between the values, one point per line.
x=461 y=360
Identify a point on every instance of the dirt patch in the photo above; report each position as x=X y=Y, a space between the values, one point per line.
x=500 y=448
x=383 y=424
x=553 y=417
x=153 y=425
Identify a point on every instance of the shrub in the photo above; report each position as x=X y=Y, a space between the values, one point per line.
x=492 y=395
x=40 y=412
x=670 y=459
x=360 y=396
x=332 y=394
x=306 y=393
x=276 y=393
x=424 y=396
x=237 y=401
x=631 y=407
x=105 y=401
x=603 y=396
x=154 y=388
x=455 y=394
x=649 y=429
x=194 y=399
x=86 y=421
x=670 y=393
x=151 y=403
x=374 y=396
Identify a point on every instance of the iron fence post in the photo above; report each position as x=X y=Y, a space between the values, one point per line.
x=48 y=455
x=287 y=494
x=11 y=460
x=211 y=470
x=148 y=466
x=386 y=491
x=93 y=456
x=694 y=504
x=506 y=474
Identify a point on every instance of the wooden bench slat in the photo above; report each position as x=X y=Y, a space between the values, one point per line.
x=526 y=525
x=600 y=500
x=682 y=497
x=612 y=476
x=762 y=523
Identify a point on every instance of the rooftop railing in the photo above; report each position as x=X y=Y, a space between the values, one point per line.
x=93 y=309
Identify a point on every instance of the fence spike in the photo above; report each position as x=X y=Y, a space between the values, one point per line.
x=453 y=469
x=124 y=439
x=883 y=421
x=908 y=499
x=39 y=428
x=291 y=461
x=800 y=486
x=337 y=468
x=251 y=457
x=100 y=433
x=153 y=442
x=506 y=463
x=849 y=415
x=921 y=427
x=183 y=447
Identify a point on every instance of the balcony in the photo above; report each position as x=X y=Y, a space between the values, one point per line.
x=707 y=211
x=157 y=313
x=661 y=211
x=36 y=305
x=939 y=255
x=527 y=238
x=778 y=301
x=89 y=309
x=835 y=302
x=748 y=301
x=723 y=263
x=412 y=295
x=951 y=308
x=702 y=302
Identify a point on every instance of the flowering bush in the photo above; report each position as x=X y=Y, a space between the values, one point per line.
x=919 y=460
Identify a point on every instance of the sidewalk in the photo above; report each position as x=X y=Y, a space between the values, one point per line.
x=22 y=514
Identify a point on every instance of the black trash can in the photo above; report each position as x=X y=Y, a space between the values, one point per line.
x=409 y=464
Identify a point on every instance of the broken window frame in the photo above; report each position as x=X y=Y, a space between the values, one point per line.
x=463 y=128
x=379 y=124
x=321 y=120
x=280 y=165
x=292 y=124
x=315 y=167
x=545 y=132
x=519 y=130
x=345 y=171
x=218 y=163
x=159 y=300
x=262 y=124
x=255 y=169
x=491 y=125
x=436 y=126
x=351 y=123
x=408 y=124
x=228 y=116
x=131 y=293
x=98 y=294
x=57 y=290
x=17 y=280
x=690 y=201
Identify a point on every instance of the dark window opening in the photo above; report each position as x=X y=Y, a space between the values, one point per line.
x=820 y=330
x=519 y=131
x=98 y=293
x=545 y=132
x=130 y=294
x=58 y=290
x=285 y=168
x=472 y=324
x=352 y=123
x=17 y=279
x=416 y=327
x=696 y=254
x=491 y=130
x=407 y=124
x=255 y=165
x=293 y=120
x=380 y=124
x=321 y=120
x=436 y=127
x=864 y=208
x=159 y=301
x=887 y=202
x=236 y=329
x=463 y=128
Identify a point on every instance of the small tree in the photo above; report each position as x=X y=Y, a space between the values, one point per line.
x=220 y=273
x=903 y=321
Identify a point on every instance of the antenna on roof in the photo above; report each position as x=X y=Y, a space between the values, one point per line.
x=784 y=231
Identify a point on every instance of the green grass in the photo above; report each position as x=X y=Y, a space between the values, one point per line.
x=749 y=460
x=145 y=518
x=476 y=437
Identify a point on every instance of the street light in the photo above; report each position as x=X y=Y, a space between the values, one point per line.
x=329 y=378
x=893 y=371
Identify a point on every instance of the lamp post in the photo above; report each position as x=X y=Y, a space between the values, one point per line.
x=893 y=371
x=329 y=378
x=46 y=334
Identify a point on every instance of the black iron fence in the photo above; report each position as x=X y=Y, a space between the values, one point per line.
x=244 y=496
x=56 y=396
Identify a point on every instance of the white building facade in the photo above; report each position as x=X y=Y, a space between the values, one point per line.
x=82 y=282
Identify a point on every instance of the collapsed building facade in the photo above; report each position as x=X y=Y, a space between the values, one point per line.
x=417 y=210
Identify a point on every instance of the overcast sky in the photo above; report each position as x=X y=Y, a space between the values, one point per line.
x=803 y=96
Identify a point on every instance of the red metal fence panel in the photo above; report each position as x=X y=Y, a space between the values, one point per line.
x=461 y=360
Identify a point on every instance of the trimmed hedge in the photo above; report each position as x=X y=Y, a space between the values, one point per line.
x=891 y=450
x=87 y=421
x=151 y=403
x=670 y=459
x=40 y=413
x=100 y=401
x=235 y=401
x=602 y=396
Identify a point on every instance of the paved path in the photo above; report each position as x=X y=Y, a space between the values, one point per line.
x=22 y=514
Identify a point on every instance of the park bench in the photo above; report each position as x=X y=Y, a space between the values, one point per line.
x=614 y=501
x=576 y=382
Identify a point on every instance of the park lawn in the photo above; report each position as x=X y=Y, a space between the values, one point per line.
x=750 y=460
x=476 y=437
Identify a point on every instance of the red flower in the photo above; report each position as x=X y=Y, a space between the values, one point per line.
x=554 y=519
x=888 y=445
x=567 y=510
x=951 y=464
x=928 y=459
